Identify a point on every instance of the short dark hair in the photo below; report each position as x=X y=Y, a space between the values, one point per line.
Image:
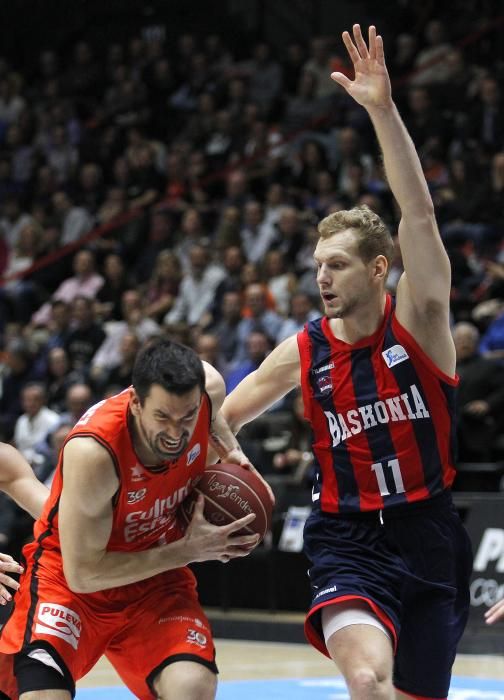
x=173 y=366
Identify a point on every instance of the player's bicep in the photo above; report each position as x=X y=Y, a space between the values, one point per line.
x=278 y=374
x=426 y=265
x=85 y=509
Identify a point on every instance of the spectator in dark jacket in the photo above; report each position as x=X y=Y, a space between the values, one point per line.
x=480 y=397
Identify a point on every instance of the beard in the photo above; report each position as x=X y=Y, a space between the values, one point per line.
x=164 y=452
x=340 y=309
x=155 y=443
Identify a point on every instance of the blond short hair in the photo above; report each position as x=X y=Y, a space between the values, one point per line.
x=373 y=236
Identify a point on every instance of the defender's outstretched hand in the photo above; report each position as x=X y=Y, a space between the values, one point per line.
x=371 y=86
x=496 y=612
x=8 y=565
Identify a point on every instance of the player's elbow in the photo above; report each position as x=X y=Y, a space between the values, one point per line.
x=76 y=584
x=419 y=218
x=231 y=419
x=79 y=578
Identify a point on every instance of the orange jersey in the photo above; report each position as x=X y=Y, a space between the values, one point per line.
x=146 y=503
x=160 y=615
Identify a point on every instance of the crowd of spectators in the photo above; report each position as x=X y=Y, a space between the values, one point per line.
x=206 y=176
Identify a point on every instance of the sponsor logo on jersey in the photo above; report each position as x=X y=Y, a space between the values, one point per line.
x=324 y=383
x=406 y=406
x=137 y=473
x=194 y=452
x=136 y=496
x=394 y=355
x=160 y=516
x=58 y=621
x=197 y=638
x=325 y=368
x=182 y=618
x=325 y=591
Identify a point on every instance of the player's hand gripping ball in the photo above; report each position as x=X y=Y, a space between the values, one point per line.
x=231 y=492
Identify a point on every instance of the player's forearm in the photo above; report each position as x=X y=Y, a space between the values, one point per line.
x=222 y=439
x=402 y=164
x=239 y=407
x=19 y=482
x=29 y=493
x=115 y=569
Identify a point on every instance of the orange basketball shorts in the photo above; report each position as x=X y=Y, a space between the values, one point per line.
x=140 y=627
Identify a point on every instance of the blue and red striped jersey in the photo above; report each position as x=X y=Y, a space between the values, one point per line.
x=382 y=416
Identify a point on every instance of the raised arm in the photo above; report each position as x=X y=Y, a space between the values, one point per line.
x=85 y=525
x=277 y=375
x=424 y=290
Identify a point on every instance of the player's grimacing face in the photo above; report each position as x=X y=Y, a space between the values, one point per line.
x=167 y=421
x=343 y=278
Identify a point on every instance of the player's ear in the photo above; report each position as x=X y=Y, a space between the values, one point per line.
x=134 y=404
x=380 y=267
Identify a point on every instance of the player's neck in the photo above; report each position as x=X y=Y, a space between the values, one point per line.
x=362 y=323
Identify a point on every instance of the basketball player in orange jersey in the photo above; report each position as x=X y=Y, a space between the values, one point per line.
x=107 y=572
x=390 y=560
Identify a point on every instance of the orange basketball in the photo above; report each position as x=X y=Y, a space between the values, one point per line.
x=231 y=492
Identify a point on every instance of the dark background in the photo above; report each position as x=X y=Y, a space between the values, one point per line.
x=27 y=26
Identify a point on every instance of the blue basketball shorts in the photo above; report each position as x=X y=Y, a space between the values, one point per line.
x=411 y=564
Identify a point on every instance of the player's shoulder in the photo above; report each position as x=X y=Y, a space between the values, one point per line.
x=214 y=385
x=107 y=417
x=87 y=462
x=85 y=447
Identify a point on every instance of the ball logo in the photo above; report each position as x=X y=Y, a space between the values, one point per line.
x=229 y=492
x=58 y=621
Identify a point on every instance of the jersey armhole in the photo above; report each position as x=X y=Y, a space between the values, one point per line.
x=111 y=452
x=404 y=335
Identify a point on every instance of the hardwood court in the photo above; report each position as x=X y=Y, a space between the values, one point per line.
x=242 y=660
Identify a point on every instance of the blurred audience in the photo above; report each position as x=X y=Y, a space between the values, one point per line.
x=480 y=398
x=208 y=172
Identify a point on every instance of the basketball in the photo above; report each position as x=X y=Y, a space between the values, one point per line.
x=231 y=492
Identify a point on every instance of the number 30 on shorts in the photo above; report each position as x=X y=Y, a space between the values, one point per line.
x=394 y=467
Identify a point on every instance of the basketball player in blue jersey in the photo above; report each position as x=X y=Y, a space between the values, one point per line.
x=390 y=560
